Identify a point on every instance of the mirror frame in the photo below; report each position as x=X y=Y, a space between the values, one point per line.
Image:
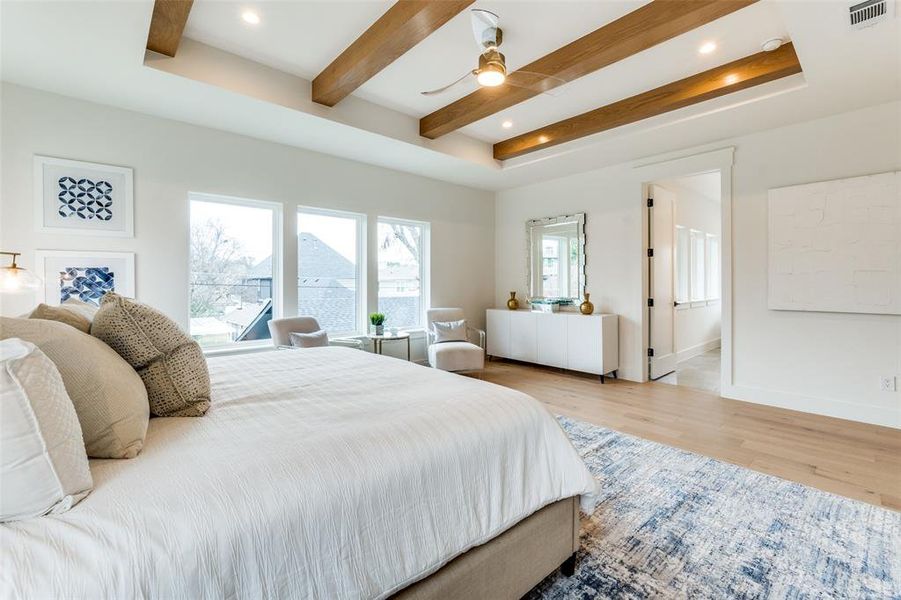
x=579 y=219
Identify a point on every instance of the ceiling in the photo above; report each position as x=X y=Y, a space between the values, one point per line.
x=44 y=46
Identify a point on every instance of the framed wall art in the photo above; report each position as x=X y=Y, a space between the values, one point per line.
x=85 y=276
x=84 y=198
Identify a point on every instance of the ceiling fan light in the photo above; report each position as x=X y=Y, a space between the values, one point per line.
x=491 y=78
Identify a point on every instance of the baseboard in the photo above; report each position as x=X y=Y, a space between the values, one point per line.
x=828 y=407
x=693 y=351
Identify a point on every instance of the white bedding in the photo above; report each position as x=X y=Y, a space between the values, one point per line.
x=317 y=473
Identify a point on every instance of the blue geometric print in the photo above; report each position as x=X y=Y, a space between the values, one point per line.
x=674 y=524
x=85 y=199
x=87 y=284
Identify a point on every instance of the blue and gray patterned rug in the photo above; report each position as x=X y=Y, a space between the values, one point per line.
x=673 y=524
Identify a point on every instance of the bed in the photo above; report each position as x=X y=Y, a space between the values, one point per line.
x=320 y=473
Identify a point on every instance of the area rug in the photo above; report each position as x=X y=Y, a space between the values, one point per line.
x=673 y=524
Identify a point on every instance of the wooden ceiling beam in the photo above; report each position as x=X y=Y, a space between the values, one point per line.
x=741 y=74
x=404 y=25
x=167 y=25
x=639 y=30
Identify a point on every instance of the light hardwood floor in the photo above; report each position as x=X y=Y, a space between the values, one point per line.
x=843 y=457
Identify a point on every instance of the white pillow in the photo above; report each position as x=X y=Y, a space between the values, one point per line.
x=43 y=463
x=316 y=339
x=449 y=331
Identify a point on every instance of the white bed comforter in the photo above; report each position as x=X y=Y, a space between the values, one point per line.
x=321 y=473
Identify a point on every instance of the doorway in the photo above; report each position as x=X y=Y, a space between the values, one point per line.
x=684 y=256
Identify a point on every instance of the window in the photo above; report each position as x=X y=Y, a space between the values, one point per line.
x=234 y=254
x=697 y=265
x=329 y=274
x=683 y=254
x=402 y=258
x=713 y=266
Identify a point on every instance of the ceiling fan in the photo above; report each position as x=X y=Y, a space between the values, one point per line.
x=492 y=69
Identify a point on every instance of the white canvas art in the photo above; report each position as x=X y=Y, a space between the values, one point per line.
x=85 y=276
x=835 y=246
x=83 y=198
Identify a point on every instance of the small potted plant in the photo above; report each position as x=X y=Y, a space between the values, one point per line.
x=378 y=321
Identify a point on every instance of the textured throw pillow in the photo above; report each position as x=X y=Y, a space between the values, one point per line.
x=167 y=359
x=449 y=331
x=309 y=340
x=43 y=464
x=77 y=318
x=109 y=398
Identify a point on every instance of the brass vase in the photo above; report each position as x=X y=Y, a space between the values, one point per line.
x=586 y=308
x=513 y=303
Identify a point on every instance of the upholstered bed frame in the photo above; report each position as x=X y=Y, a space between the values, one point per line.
x=511 y=564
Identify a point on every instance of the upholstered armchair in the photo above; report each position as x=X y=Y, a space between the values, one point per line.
x=458 y=355
x=281 y=330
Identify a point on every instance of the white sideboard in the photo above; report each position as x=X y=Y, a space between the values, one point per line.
x=587 y=343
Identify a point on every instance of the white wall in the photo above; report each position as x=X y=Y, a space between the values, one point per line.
x=171 y=159
x=818 y=362
x=696 y=325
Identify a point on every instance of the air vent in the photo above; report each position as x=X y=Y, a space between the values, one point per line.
x=865 y=14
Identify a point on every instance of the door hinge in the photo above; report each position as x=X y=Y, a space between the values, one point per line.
x=650 y=253
x=650 y=352
x=650 y=203
x=651 y=302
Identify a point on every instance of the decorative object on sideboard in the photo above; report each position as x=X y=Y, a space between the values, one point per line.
x=586 y=308
x=378 y=322
x=83 y=198
x=86 y=276
x=549 y=305
x=15 y=279
x=513 y=303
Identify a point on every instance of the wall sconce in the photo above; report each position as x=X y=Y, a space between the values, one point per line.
x=16 y=279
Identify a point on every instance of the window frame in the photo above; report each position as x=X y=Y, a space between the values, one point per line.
x=424 y=268
x=278 y=245
x=360 y=267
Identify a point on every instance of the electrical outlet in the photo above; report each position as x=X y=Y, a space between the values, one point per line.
x=887 y=384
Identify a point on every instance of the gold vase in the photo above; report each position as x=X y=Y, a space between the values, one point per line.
x=586 y=308
x=513 y=303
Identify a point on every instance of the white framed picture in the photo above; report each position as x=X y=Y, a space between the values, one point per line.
x=83 y=198
x=85 y=276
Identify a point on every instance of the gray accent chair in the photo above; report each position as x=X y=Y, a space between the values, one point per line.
x=455 y=356
x=281 y=330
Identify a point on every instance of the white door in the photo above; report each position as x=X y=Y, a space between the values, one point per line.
x=660 y=272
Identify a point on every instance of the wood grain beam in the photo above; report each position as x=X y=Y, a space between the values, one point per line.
x=738 y=75
x=403 y=26
x=639 y=30
x=167 y=24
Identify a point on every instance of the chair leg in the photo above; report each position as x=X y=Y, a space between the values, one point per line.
x=568 y=568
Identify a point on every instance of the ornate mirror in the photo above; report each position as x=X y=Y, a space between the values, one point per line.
x=556 y=257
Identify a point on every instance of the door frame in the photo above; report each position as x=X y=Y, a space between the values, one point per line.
x=647 y=173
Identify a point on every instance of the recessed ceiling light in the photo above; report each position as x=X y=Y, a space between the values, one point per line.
x=507 y=124
x=707 y=47
x=731 y=78
x=771 y=44
x=251 y=17
x=542 y=139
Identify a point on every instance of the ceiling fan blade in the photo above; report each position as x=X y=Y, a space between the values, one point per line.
x=448 y=86
x=539 y=82
x=484 y=27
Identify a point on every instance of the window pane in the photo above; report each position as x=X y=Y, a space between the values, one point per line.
x=697 y=265
x=231 y=272
x=400 y=273
x=713 y=267
x=682 y=264
x=550 y=270
x=327 y=250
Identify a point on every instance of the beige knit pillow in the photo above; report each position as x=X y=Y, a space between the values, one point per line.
x=109 y=398
x=167 y=359
x=62 y=314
